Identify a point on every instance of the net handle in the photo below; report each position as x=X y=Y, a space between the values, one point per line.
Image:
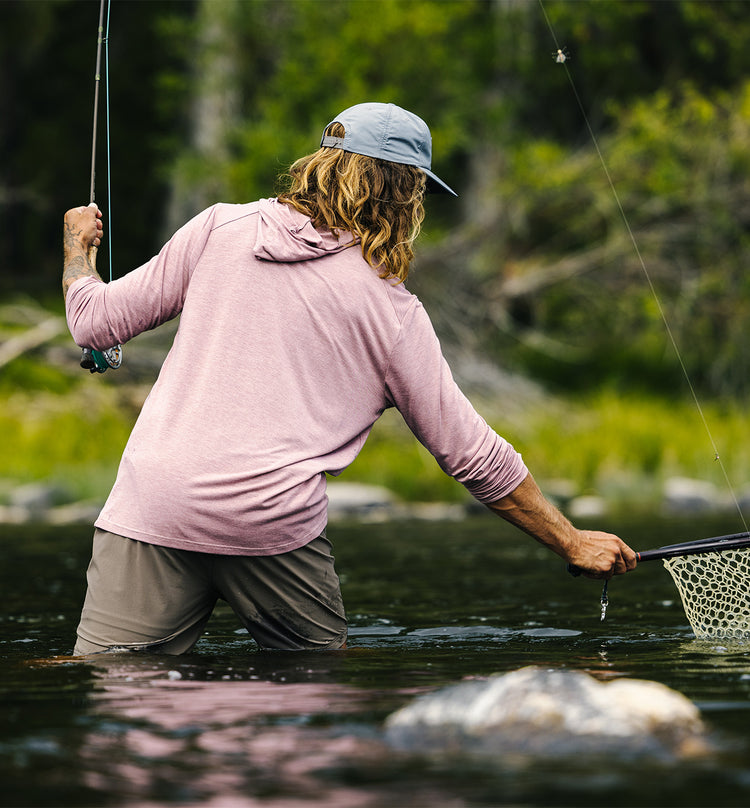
x=717 y=544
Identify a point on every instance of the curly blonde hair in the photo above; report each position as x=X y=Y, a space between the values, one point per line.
x=380 y=202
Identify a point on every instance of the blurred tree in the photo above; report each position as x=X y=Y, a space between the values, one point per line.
x=574 y=290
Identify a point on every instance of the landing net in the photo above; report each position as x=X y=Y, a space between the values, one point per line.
x=715 y=592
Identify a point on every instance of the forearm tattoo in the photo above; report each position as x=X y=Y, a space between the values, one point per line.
x=77 y=261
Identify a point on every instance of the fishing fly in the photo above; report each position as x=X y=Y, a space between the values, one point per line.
x=561 y=55
x=91 y=359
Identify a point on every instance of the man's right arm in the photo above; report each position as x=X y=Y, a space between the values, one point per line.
x=596 y=553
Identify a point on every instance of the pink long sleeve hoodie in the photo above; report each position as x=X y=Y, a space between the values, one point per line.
x=288 y=350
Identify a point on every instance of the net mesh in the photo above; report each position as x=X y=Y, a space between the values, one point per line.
x=715 y=592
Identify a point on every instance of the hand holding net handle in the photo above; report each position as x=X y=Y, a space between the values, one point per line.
x=733 y=541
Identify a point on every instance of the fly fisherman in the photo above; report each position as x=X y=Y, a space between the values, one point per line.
x=221 y=490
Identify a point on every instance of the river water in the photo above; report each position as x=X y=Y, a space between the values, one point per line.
x=429 y=605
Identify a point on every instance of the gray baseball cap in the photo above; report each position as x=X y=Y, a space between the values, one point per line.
x=387 y=132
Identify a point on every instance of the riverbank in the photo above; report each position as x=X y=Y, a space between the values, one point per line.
x=603 y=453
x=40 y=503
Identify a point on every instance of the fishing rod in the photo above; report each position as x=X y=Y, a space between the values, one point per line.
x=91 y=359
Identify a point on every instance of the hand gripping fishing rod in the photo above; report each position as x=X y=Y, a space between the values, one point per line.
x=91 y=359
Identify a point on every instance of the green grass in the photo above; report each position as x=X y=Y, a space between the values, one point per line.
x=608 y=435
x=622 y=447
x=73 y=441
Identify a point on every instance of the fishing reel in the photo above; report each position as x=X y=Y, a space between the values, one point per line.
x=99 y=361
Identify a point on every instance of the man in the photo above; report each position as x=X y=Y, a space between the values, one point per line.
x=296 y=333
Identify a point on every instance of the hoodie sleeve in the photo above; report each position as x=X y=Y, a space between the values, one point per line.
x=101 y=315
x=420 y=384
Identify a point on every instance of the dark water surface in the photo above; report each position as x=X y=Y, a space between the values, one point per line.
x=429 y=604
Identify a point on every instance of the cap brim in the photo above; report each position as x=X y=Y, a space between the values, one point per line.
x=436 y=186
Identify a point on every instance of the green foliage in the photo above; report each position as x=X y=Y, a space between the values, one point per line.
x=75 y=440
x=301 y=62
x=393 y=458
x=30 y=375
x=666 y=202
x=607 y=441
x=621 y=447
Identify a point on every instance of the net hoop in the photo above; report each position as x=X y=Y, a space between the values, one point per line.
x=715 y=591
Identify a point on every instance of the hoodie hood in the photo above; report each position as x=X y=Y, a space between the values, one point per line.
x=285 y=235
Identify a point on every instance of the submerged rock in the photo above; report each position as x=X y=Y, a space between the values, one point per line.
x=685 y=495
x=560 y=713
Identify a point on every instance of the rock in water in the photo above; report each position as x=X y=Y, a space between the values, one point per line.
x=550 y=712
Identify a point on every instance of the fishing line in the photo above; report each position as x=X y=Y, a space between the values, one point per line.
x=562 y=58
x=108 y=139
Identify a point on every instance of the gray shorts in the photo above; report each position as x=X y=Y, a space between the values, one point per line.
x=145 y=597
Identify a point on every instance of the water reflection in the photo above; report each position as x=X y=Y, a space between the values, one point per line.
x=191 y=732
